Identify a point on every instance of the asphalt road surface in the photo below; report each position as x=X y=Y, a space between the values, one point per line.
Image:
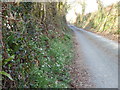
x=101 y=56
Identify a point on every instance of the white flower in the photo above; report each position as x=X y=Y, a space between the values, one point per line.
x=4 y=24
x=58 y=65
x=41 y=49
x=9 y=27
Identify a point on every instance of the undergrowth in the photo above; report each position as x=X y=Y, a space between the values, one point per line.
x=35 y=53
x=49 y=70
x=43 y=63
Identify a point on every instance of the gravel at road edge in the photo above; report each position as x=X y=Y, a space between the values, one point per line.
x=78 y=70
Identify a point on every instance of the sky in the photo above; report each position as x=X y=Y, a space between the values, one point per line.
x=91 y=6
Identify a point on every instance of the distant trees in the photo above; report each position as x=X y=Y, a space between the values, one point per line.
x=80 y=17
x=105 y=19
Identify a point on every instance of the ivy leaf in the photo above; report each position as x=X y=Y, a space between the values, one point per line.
x=7 y=60
x=6 y=74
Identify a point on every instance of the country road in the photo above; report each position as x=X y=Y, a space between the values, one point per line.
x=100 y=55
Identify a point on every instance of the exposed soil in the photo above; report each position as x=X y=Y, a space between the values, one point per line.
x=78 y=70
x=111 y=36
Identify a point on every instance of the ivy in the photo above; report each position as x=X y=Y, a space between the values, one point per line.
x=35 y=52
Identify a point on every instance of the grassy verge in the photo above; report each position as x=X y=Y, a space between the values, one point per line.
x=52 y=72
x=49 y=69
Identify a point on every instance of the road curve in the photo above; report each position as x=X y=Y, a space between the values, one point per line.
x=101 y=56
